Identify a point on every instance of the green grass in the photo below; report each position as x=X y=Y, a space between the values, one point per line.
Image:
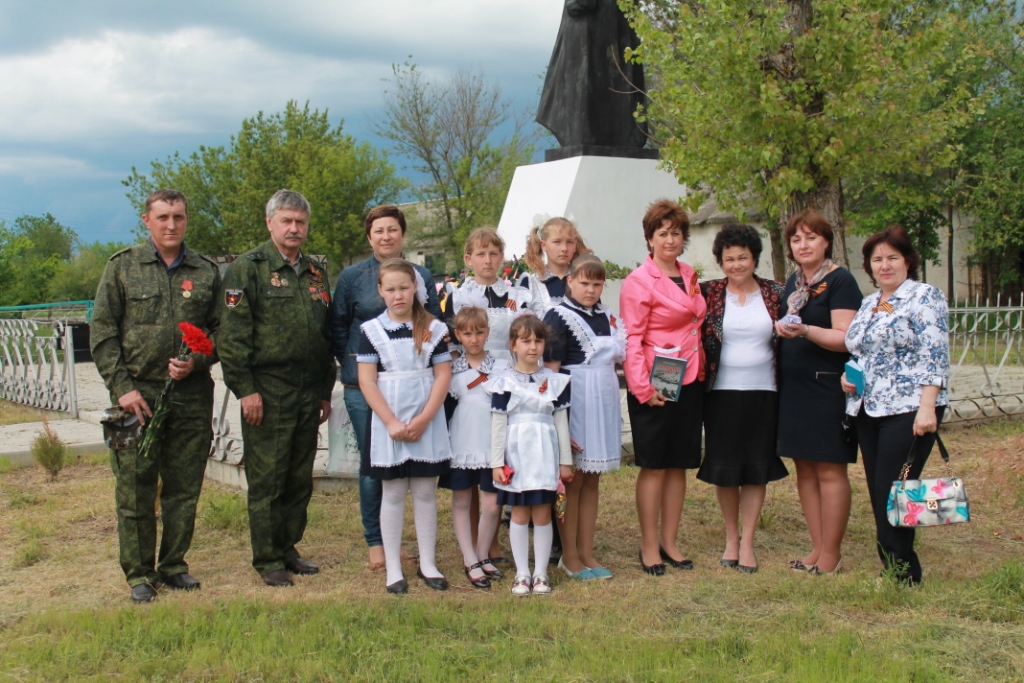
x=226 y=512
x=5 y=464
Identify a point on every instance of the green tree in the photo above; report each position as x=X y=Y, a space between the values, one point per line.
x=451 y=130
x=77 y=279
x=777 y=103
x=228 y=187
x=31 y=254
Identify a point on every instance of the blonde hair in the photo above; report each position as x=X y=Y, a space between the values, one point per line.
x=541 y=233
x=471 y=318
x=420 y=317
x=485 y=237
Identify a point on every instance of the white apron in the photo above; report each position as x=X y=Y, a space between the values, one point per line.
x=531 y=445
x=406 y=383
x=595 y=420
x=470 y=427
x=499 y=320
x=541 y=300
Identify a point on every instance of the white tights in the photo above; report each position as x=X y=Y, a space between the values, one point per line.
x=392 y=517
x=490 y=514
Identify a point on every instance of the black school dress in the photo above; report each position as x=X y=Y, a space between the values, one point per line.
x=811 y=399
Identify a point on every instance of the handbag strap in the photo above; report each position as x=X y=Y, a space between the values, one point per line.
x=912 y=455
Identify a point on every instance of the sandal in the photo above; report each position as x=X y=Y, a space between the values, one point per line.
x=482 y=582
x=493 y=572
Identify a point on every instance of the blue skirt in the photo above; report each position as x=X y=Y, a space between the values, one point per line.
x=526 y=498
x=461 y=479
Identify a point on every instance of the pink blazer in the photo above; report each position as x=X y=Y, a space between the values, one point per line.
x=661 y=320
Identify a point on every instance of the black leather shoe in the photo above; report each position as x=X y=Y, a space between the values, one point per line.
x=483 y=581
x=729 y=563
x=494 y=572
x=654 y=569
x=181 y=582
x=678 y=564
x=745 y=569
x=301 y=566
x=143 y=593
x=398 y=587
x=439 y=583
x=279 y=578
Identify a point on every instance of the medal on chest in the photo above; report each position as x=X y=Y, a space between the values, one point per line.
x=186 y=289
x=277 y=281
x=317 y=287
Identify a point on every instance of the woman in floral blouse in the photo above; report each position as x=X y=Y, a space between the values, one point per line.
x=900 y=338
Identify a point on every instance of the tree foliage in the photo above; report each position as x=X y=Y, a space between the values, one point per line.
x=452 y=131
x=228 y=187
x=775 y=104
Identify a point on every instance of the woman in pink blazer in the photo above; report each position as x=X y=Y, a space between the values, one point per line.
x=663 y=311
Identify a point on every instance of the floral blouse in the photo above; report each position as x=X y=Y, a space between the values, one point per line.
x=902 y=345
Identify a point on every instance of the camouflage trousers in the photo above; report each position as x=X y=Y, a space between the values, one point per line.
x=278 y=460
x=178 y=460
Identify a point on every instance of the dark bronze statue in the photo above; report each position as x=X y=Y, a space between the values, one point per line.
x=591 y=92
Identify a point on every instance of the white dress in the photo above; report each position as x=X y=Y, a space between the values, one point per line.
x=595 y=421
x=405 y=383
x=531 y=443
x=499 y=319
x=470 y=427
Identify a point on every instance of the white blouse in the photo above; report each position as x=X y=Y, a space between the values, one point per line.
x=747 y=362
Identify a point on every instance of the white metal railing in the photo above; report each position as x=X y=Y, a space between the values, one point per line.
x=37 y=364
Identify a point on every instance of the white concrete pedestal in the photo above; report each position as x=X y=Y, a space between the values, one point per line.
x=605 y=196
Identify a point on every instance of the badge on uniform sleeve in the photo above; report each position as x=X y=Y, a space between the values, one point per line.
x=232 y=297
x=186 y=288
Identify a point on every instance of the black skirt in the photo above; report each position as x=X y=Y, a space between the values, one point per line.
x=812 y=406
x=406 y=470
x=527 y=498
x=668 y=436
x=460 y=479
x=740 y=439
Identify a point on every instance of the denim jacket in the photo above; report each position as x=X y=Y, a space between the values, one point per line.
x=357 y=300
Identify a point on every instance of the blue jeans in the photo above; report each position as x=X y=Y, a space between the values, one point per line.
x=369 y=488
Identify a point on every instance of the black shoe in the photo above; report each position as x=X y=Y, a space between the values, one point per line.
x=181 y=582
x=678 y=564
x=729 y=563
x=279 y=578
x=301 y=566
x=483 y=581
x=439 y=583
x=654 y=569
x=745 y=569
x=398 y=587
x=493 y=573
x=143 y=593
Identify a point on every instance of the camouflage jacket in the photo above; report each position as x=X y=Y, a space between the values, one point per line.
x=274 y=324
x=134 y=329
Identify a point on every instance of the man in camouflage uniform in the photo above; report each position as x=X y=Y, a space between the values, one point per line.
x=275 y=346
x=145 y=291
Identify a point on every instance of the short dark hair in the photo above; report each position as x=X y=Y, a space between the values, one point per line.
x=896 y=237
x=737 y=235
x=588 y=266
x=169 y=196
x=813 y=221
x=385 y=211
x=526 y=324
x=665 y=210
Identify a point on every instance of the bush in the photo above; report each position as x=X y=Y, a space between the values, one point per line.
x=50 y=451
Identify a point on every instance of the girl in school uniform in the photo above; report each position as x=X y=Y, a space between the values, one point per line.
x=484 y=255
x=404 y=373
x=550 y=248
x=530 y=448
x=470 y=435
x=587 y=340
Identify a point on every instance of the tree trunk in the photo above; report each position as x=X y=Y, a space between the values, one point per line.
x=829 y=201
x=950 y=275
x=778 y=250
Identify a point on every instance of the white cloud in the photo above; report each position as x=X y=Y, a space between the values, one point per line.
x=48 y=167
x=188 y=81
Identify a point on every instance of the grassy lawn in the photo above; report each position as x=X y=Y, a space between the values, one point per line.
x=65 y=615
x=15 y=413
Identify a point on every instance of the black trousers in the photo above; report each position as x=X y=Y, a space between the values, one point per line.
x=884 y=443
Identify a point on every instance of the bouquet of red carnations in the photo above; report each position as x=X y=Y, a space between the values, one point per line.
x=193 y=341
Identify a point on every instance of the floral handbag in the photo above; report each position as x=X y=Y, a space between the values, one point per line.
x=927 y=502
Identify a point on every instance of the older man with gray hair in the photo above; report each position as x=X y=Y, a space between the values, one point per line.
x=274 y=345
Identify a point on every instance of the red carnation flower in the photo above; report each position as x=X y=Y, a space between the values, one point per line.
x=195 y=340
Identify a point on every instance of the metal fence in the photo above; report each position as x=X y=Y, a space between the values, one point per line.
x=986 y=376
x=37 y=364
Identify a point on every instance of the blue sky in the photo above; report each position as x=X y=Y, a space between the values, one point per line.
x=93 y=88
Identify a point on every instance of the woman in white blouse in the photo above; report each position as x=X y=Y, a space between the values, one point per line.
x=741 y=407
x=900 y=339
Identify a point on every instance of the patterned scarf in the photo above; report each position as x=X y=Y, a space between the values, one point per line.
x=802 y=294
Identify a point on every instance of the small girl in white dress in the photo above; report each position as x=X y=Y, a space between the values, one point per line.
x=587 y=340
x=530 y=448
x=404 y=373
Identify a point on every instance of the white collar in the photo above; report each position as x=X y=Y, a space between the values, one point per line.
x=499 y=287
x=391 y=325
x=461 y=364
x=569 y=303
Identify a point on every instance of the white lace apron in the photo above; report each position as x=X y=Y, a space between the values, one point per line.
x=499 y=319
x=470 y=427
x=595 y=420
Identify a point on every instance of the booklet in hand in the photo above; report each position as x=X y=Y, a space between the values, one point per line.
x=667 y=376
x=855 y=375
